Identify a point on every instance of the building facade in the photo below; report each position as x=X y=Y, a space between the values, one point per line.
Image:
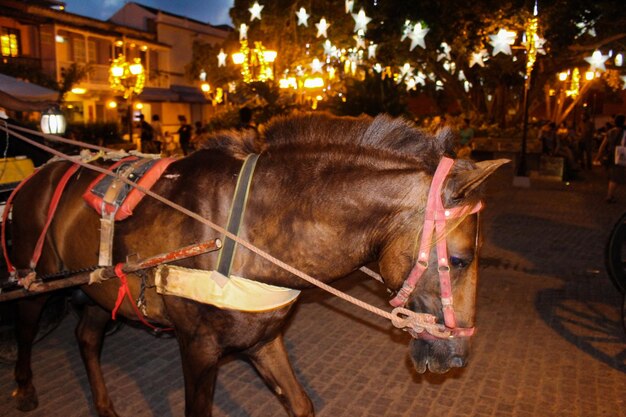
x=45 y=38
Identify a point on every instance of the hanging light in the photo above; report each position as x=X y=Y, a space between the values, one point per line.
x=53 y=121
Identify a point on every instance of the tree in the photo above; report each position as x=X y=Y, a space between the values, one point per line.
x=456 y=30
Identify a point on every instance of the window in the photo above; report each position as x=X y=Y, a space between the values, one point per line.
x=10 y=42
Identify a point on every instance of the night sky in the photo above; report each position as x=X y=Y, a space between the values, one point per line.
x=214 y=12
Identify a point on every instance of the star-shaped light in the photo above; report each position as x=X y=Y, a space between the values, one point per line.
x=243 y=31
x=597 y=60
x=360 y=21
x=445 y=54
x=221 y=58
x=406 y=69
x=378 y=68
x=411 y=84
x=255 y=11
x=420 y=78
x=586 y=27
x=478 y=58
x=502 y=42
x=322 y=27
x=539 y=43
x=316 y=66
x=360 y=42
x=303 y=17
x=329 y=49
x=417 y=36
x=371 y=51
x=349 y=6
x=623 y=77
x=406 y=29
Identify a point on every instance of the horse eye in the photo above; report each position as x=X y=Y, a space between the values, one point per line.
x=459 y=262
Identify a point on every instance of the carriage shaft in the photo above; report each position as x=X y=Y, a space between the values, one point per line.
x=39 y=287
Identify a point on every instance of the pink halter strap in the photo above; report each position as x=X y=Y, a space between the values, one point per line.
x=435 y=221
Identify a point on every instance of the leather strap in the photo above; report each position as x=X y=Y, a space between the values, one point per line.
x=237 y=210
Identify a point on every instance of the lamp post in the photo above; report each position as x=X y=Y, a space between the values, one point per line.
x=531 y=29
x=127 y=78
x=255 y=62
x=53 y=121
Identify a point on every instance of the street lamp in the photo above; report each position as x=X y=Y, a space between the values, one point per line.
x=53 y=121
x=127 y=78
x=255 y=62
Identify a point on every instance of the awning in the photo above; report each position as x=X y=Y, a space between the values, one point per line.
x=157 y=94
x=189 y=94
x=176 y=94
x=20 y=95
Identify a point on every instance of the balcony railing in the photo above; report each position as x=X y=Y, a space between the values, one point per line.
x=99 y=75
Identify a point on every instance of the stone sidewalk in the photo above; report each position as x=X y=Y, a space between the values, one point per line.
x=549 y=340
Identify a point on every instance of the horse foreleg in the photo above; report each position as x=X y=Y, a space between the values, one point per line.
x=28 y=312
x=199 y=360
x=272 y=363
x=90 y=334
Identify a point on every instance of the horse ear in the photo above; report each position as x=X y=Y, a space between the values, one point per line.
x=466 y=181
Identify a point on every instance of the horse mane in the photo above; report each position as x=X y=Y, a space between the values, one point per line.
x=378 y=135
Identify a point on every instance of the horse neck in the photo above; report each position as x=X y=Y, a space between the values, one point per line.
x=330 y=228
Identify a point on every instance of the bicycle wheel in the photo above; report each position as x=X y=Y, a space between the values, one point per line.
x=615 y=254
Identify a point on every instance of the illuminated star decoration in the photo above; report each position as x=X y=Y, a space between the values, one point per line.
x=623 y=77
x=596 y=61
x=329 y=49
x=502 y=42
x=417 y=36
x=360 y=42
x=539 y=42
x=349 y=6
x=408 y=27
x=322 y=27
x=243 y=31
x=478 y=58
x=446 y=52
x=255 y=11
x=303 y=17
x=406 y=69
x=371 y=51
x=221 y=58
x=316 y=66
x=360 y=21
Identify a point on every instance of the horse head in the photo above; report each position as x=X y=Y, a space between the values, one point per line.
x=439 y=268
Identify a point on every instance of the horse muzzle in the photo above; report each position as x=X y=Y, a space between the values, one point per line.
x=439 y=355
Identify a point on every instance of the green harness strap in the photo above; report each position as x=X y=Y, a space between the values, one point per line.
x=237 y=209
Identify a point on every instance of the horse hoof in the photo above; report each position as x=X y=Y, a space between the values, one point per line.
x=26 y=401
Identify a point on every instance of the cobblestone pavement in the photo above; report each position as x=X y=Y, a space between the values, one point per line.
x=549 y=342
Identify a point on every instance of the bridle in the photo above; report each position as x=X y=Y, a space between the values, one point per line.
x=435 y=221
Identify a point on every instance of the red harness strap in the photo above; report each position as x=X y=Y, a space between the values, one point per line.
x=123 y=291
x=54 y=203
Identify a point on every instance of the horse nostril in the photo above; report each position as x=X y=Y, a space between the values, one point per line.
x=457 y=362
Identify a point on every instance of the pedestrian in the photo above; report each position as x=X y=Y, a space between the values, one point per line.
x=147 y=136
x=547 y=136
x=157 y=129
x=184 y=134
x=587 y=132
x=617 y=173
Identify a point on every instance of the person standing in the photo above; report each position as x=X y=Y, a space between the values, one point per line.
x=184 y=134
x=157 y=130
x=587 y=132
x=617 y=173
x=147 y=136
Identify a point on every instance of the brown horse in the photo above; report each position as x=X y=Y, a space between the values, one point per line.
x=328 y=195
